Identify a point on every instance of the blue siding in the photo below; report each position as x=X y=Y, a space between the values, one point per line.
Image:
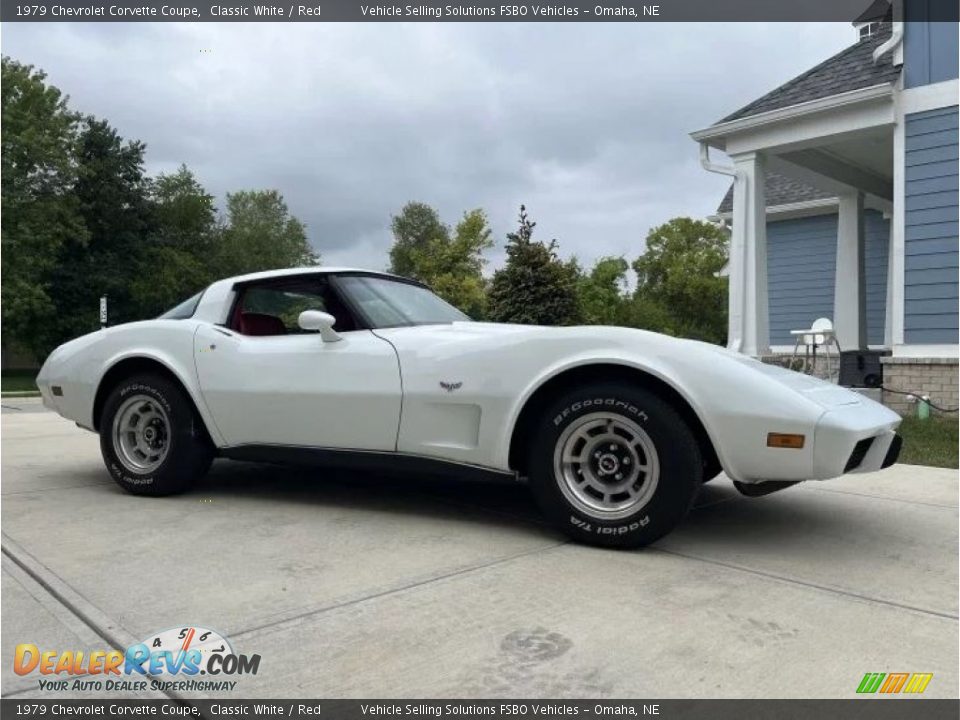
x=929 y=48
x=931 y=232
x=876 y=252
x=801 y=266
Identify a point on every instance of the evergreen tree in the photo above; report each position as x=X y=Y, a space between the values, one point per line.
x=535 y=287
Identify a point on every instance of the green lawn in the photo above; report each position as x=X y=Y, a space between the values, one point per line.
x=930 y=442
x=18 y=380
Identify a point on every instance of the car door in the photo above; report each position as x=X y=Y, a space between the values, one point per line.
x=265 y=381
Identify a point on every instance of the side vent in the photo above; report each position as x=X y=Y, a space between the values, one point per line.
x=859 y=453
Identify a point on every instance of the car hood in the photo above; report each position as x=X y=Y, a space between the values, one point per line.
x=608 y=341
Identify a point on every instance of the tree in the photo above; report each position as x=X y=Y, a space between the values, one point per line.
x=602 y=291
x=453 y=266
x=679 y=272
x=414 y=229
x=40 y=212
x=260 y=234
x=186 y=216
x=535 y=287
x=112 y=190
x=180 y=252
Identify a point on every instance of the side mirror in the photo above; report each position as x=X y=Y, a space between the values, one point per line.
x=321 y=322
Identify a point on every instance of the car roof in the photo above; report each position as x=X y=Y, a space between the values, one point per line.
x=213 y=305
x=266 y=274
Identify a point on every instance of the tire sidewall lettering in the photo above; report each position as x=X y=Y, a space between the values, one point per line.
x=147 y=390
x=591 y=526
x=605 y=403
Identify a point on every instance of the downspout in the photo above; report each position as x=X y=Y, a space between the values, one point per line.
x=712 y=166
x=733 y=343
x=891 y=44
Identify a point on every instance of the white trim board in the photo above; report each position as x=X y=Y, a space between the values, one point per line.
x=926 y=351
x=820 y=206
x=929 y=97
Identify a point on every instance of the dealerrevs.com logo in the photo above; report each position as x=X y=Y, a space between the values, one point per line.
x=180 y=659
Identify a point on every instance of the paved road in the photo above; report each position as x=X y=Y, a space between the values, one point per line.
x=398 y=586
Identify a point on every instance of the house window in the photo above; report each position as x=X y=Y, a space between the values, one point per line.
x=868 y=30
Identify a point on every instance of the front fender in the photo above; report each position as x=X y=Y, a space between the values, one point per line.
x=77 y=369
x=737 y=405
x=179 y=361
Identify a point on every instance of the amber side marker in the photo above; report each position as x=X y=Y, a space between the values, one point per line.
x=785 y=440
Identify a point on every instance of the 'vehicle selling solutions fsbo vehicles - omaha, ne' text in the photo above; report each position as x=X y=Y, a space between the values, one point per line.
x=614 y=429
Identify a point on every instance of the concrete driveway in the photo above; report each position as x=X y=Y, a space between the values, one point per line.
x=405 y=587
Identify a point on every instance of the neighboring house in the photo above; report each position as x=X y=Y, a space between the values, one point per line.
x=844 y=203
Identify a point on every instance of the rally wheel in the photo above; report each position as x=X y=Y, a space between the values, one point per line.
x=152 y=440
x=614 y=465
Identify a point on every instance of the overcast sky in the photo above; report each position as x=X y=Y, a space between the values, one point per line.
x=585 y=123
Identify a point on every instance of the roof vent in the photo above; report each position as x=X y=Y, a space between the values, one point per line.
x=868 y=23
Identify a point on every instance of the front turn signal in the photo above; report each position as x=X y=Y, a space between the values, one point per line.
x=785 y=440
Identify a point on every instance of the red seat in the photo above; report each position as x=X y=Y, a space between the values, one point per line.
x=259 y=324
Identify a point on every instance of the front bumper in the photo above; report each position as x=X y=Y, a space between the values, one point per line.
x=855 y=439
x=893 y=452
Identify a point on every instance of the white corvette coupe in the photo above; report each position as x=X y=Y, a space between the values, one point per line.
x=614 y=429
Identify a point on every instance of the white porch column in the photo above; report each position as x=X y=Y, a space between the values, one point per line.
x=749 y=324
x=849 y=295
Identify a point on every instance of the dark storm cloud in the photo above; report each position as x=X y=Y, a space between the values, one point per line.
x=587 y=124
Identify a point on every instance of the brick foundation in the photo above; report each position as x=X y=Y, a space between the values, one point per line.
x=934 y=377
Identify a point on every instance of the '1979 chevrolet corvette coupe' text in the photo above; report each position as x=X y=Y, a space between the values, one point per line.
x=614 y=429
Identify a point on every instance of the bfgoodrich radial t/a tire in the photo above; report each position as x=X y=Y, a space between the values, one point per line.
x=614 y=465
x=151 y=438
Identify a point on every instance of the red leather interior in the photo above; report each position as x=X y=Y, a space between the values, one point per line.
x=259 y=324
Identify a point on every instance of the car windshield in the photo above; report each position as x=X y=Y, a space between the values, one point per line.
x=184 y=310
x=392 y=303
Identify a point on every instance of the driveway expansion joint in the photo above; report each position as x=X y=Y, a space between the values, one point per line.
x=812 y=585
x=84 y=611
x=301 y=617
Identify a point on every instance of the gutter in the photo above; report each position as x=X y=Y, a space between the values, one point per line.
x=871 y=93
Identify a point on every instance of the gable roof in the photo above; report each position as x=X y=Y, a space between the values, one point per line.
x=781 y=190
x=850 y=69
x=878 y=11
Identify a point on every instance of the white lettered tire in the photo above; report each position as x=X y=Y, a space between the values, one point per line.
x=614 y=465
x=151 y=438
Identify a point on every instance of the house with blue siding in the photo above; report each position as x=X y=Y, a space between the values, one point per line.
x=843 y=202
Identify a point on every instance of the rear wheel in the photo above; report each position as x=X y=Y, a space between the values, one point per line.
x=152 y=440
x=614 y=465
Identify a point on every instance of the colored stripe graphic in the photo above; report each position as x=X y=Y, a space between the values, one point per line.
x=870 y=682
x=894 y=682
x=918 y=682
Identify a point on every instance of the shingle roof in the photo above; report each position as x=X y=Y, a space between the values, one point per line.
x=781 y=190
x=850 y=69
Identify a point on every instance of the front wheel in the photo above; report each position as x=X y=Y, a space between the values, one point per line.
x=614 y=465
x=151 y=438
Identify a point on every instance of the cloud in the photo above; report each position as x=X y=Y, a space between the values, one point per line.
x=585 y=123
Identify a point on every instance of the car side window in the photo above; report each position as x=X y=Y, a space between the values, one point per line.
x=274 y=308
